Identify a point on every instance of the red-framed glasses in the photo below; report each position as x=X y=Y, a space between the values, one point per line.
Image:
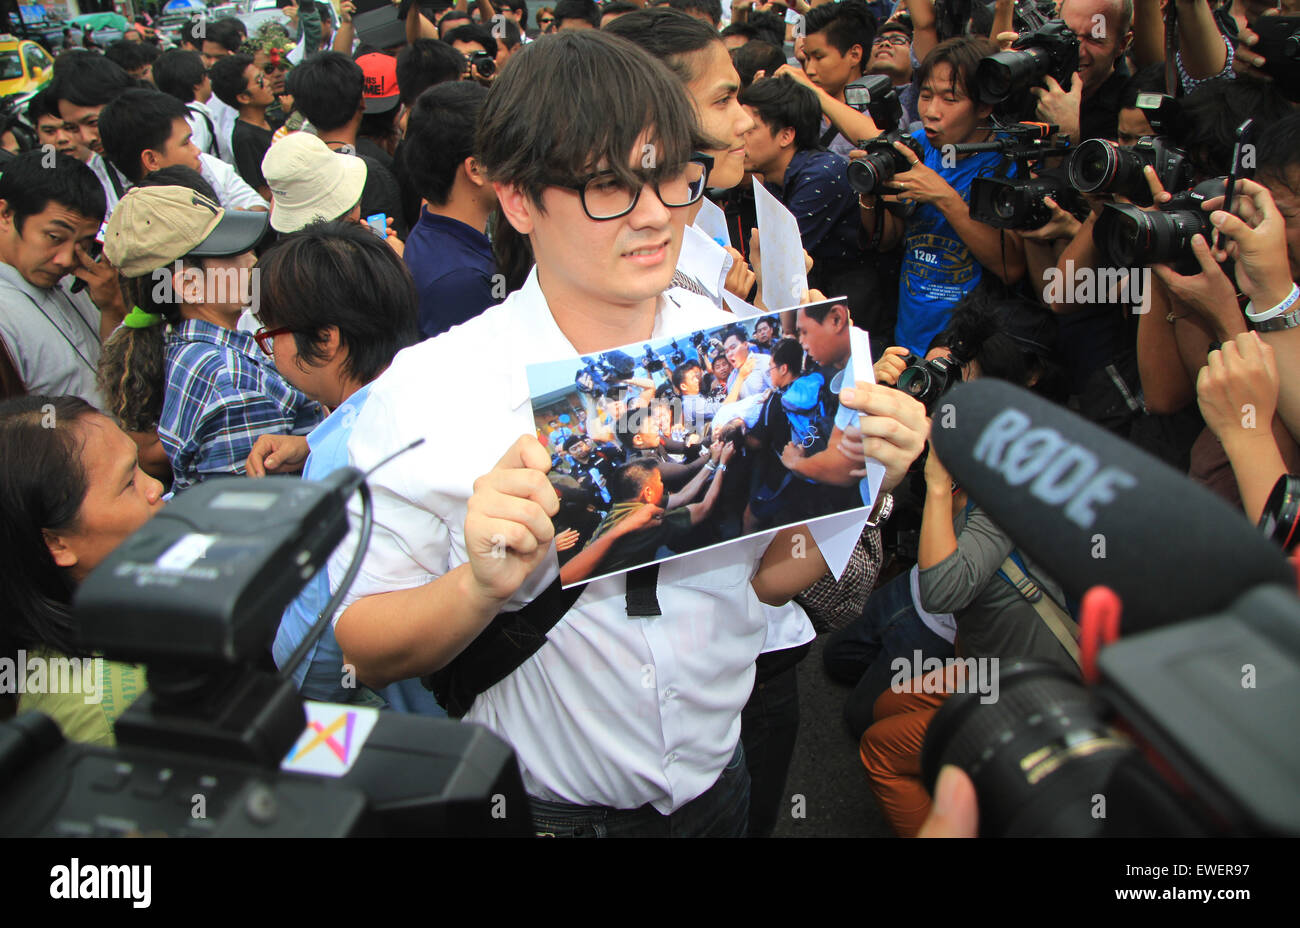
x=266 y=339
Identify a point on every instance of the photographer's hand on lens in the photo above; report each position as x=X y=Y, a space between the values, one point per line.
x=1061 y=225
x=277 y=454
x=920 y=183
x=508 y=528
x=1158 y=193
x=954 y=813
x=892 y=363
x=894 y=427
x=1006 y=39
x=1059 y=106
x=1209 y=294
x=1258 y=244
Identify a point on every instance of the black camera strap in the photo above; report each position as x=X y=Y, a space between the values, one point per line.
x=511 y=638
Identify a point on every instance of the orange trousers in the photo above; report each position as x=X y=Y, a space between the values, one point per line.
x=891 y=747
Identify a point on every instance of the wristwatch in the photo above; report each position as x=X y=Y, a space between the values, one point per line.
x=1279 y=323
x=884 y=506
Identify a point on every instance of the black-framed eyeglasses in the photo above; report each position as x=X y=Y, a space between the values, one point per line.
x=265 y=339
x=604 y=196
x=893 y=38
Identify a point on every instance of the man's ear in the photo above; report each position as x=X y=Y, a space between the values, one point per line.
x=474 y=173
x=785 y=138
x=151 y=159
x=59 y=549
x=517 y=206
x=332 y=345
x=6 y=216
x=855 y=54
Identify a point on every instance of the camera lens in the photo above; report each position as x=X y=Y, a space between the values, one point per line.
x=1038 y=753
x=1101 y=166
x=868 y=173
x=1004 y=203
x=999 y=76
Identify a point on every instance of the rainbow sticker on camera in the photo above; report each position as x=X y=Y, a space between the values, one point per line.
x=688 y=442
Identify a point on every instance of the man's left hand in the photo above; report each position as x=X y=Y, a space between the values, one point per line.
x=920 y=182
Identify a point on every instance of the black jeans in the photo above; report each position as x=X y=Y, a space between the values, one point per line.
x=768 y=726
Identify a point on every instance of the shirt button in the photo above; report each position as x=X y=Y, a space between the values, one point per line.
x=672 y=758
x=669 y=693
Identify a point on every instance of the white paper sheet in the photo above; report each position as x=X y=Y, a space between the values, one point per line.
x=781 y=252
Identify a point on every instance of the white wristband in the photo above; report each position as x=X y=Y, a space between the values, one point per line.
x=1277 y=310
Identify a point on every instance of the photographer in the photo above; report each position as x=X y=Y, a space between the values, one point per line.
x=1089 y=107
x=969 y=568
x=71 y=491
x=814 y=185
x=946 y=252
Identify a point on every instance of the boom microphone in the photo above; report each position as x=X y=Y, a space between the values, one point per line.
x=1093 y=509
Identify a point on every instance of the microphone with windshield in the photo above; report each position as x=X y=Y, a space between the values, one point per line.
x=1206 y=679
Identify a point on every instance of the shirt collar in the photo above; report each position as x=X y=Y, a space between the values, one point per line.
x=454 y=227
x=200 y=330
x=10 y=275
x=343 y=416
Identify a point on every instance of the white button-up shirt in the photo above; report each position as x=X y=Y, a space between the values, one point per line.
x=612 y=711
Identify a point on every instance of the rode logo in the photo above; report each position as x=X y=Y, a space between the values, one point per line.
x=1059 y=472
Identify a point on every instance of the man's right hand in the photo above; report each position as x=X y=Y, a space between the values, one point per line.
x=508 y=528
x=642 y=517
x=894 y=427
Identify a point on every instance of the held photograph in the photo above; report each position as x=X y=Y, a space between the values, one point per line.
x=672 y=446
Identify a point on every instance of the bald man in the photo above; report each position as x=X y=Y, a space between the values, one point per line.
x=1104 y=28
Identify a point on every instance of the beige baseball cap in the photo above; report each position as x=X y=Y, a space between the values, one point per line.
x=153 y=226
x=309 y=182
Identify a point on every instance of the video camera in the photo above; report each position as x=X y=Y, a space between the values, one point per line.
x=197 y=595
x=1185 y=726
x=1017 y=202
x=599 y=376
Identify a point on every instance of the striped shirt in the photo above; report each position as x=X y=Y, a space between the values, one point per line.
x=221 y=394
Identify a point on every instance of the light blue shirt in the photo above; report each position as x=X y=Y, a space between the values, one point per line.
x=320 y=675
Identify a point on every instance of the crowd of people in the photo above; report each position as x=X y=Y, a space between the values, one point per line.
x=290 y=251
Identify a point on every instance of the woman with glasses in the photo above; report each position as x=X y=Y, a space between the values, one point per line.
x=179 y=361
x=546 y=20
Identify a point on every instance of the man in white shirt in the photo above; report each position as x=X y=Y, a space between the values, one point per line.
x=147 y=130
x=626 y=719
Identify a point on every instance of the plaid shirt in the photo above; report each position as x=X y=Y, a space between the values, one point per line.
x=221 y=394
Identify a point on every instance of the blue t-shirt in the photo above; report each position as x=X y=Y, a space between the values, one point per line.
x=453 y=268
x=320 y=675
x=938 y=269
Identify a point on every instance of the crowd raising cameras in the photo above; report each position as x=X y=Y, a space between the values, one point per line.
x=296 y=250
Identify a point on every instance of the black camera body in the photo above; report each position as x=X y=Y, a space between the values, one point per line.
x=1051 y=50
x=1101 y=166
x=482 y=64
x=880 y=161
x=1129 y=236
x=1279 y=43
x=927 y=381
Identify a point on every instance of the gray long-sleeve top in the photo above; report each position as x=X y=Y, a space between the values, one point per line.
x=993 y=619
